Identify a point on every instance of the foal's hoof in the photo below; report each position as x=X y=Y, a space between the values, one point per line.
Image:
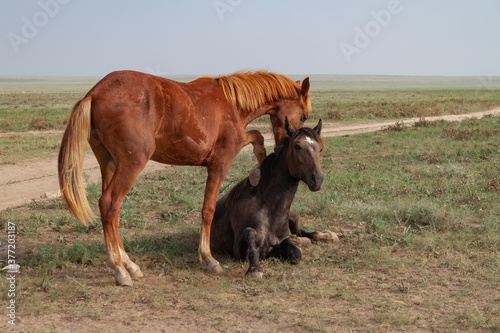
x=328 y=236
x=255 y=275
x=301 y=241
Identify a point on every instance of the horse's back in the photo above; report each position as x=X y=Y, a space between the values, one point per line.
x=175 y=123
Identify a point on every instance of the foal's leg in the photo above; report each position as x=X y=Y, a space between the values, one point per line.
x=246 y=246
x=296 y=229
x=109 y=205
x=286 y=250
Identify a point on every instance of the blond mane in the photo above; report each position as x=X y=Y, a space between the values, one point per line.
x=252 y=90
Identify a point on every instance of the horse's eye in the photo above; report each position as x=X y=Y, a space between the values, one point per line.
x=298 y=147
x=303 y=118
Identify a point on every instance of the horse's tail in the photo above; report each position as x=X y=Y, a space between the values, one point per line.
x=70 y=162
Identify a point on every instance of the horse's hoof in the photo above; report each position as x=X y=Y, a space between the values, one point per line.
x=123 y=280
x=216 y=269
x=135 y=274
x=331 y=236
x=213 y=266
x=255 y=275
x=301 y=241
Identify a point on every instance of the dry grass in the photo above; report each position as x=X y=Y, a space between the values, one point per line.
x=418 y=218
x=416 y=210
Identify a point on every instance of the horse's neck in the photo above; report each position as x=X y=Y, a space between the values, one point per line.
x=280 y=187
x=251 y=115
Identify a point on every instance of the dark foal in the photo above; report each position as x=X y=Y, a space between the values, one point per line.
x=253 y=221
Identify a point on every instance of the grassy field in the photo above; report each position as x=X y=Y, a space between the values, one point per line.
x=416 y=210
x=43 y=104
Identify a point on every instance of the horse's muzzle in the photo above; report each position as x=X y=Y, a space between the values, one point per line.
x=316 y=181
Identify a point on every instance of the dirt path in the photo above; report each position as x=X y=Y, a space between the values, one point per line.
x=32 y=180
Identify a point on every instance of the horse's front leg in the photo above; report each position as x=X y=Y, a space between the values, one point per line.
x=216 y=175
x=248 y=246
x=296 y=229
x=257 y=140
x=286 y=250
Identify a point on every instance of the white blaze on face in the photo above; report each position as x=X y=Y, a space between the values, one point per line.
x=309 y=140
x=312 y=144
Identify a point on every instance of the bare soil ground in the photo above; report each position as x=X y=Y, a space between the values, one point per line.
x=33 y=180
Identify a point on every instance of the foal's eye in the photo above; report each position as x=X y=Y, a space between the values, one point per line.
x=303 y=117
x=298 y=147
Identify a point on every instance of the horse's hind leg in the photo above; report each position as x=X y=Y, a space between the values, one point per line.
x=104 y=158
x=108 y=166
x=109 y=204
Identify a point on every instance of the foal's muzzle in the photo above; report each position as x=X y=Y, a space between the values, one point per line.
x=316 y=181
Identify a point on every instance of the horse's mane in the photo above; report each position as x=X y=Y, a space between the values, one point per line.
x=254 y=89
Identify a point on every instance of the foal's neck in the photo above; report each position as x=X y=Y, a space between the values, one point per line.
x=280 y=187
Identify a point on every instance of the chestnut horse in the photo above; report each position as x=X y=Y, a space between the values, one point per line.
x=129 y=118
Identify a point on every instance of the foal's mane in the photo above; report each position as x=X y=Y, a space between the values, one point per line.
x=254 y=89
x=270 y=163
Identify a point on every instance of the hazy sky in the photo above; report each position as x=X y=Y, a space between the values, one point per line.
x=387 y=37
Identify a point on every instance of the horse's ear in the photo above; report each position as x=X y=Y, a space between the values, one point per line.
x=305 y=86
x=298 y=82
x=288 y=127
x=317 y=128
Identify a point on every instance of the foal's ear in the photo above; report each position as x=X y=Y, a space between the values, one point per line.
x=288 y=127
x=305 y=86
x=318 y=127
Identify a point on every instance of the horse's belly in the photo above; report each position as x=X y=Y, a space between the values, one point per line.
x=183 y=151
